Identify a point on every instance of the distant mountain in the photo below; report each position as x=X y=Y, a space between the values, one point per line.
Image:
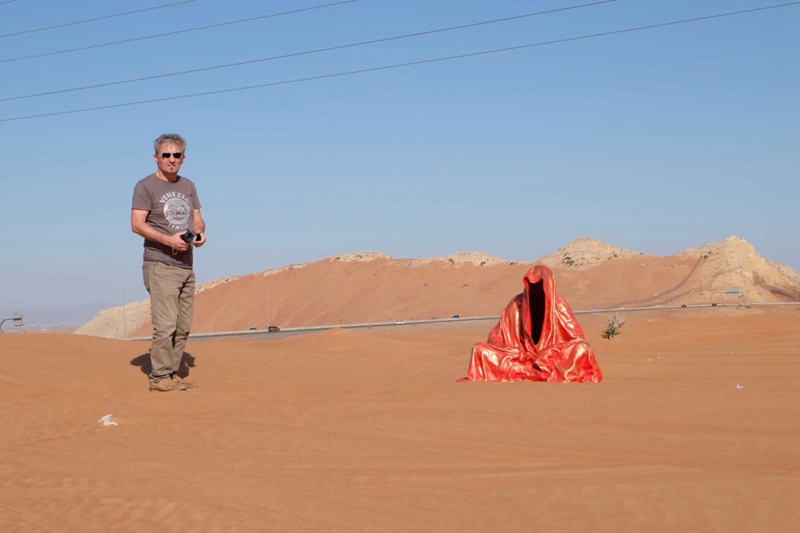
x=586 y=252
x=373 y=287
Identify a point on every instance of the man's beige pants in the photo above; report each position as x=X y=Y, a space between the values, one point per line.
x=171 y=305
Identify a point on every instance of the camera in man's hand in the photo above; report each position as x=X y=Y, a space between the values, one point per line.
x=190 y=236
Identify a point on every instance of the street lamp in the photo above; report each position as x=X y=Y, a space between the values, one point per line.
x=16 y=318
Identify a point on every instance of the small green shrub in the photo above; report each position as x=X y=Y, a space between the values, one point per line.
x=613 y=328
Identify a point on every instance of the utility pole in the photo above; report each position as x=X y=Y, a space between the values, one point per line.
x=124 y=322
x=477 y=282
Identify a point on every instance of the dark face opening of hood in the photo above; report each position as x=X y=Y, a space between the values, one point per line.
x=536 y=304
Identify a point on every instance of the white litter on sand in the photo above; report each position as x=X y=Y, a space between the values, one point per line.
x=106 y=421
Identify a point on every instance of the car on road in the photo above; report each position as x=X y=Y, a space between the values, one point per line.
x=273 y=329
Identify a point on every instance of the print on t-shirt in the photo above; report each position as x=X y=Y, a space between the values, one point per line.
x=176 y=210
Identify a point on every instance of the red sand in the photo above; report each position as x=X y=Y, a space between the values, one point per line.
x=695 y=428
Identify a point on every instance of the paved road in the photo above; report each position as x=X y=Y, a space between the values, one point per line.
x=288 y=332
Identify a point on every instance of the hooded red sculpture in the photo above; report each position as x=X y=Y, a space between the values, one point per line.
x=537 y=339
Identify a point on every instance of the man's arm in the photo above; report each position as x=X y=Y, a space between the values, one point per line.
x=199 y=226
x=140 y=226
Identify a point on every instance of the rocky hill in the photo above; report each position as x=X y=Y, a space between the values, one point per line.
x=586 y=252
x=735 y=263
x=373 y=287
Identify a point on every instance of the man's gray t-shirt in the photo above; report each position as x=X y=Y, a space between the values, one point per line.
x=170 y=208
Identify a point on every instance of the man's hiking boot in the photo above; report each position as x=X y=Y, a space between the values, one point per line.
x=166 y=385
x=175 y=378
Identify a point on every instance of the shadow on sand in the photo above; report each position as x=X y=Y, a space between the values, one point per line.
x=143 y=362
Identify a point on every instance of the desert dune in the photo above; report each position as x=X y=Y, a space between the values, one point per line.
x=694 y=428
x=372 y=288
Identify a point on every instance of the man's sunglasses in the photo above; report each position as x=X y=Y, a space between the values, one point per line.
x=176 y=155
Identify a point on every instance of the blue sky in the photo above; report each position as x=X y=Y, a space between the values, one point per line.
x=655 y=140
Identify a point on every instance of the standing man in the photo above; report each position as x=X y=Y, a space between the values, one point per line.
x=166 y=212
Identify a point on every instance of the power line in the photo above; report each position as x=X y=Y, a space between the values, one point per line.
x=199 y=28
x=75 y=23
x=306 y=52
x=403 y=65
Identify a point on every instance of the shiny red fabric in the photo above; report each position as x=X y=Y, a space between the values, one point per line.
x=537 y=339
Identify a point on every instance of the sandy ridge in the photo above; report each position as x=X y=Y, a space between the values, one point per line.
x=373 y=287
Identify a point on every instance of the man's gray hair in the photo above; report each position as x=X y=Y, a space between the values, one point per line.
x=169 y=138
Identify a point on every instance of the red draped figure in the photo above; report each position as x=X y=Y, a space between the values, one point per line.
x=537 y=339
